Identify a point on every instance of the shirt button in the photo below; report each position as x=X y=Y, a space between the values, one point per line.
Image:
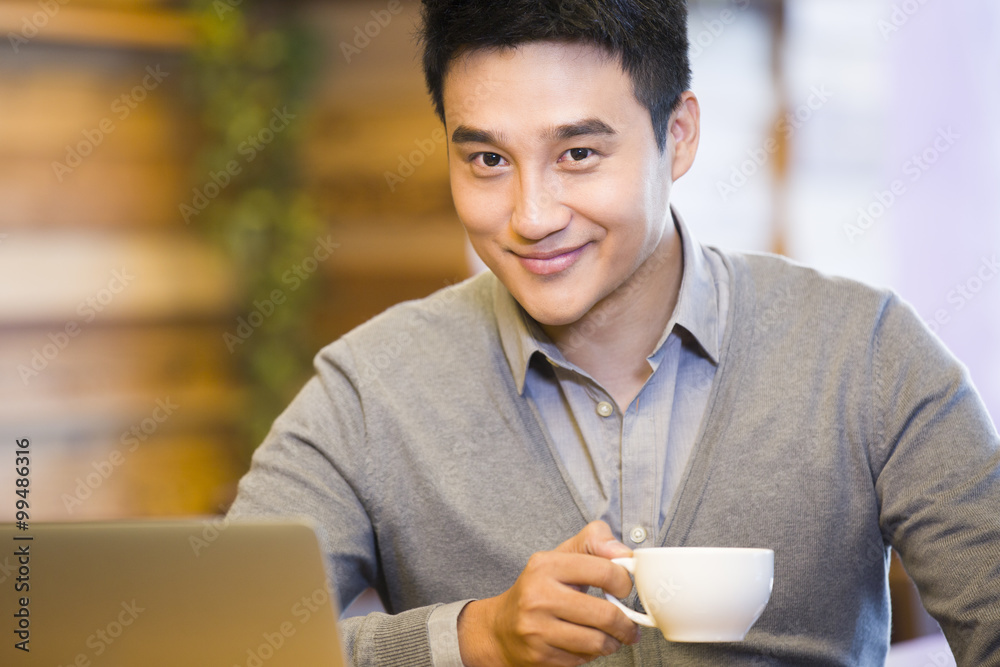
x=605 y=409
x=638 y=534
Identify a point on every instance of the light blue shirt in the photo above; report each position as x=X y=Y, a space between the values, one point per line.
x=625 y=467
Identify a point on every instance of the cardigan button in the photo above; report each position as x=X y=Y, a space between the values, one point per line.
x=638 y=534
x=605 y=409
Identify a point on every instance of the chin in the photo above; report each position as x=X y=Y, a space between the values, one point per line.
x=554 y=315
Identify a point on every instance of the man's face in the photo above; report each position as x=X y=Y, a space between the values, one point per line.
x=555 y=173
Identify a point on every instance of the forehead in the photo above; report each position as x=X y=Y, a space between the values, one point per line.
x=544 y=82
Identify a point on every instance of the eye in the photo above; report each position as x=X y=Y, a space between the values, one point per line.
x=487 y=159
x=577 y=154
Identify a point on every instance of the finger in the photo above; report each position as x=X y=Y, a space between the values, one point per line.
x=571 y=643
x=537 y=636
x=554 y=657
x=574 y=569
x=610 y=549
x=587 y=611
x=595 y=539
x=584 y=644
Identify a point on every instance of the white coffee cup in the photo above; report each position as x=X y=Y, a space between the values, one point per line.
x=700 y=594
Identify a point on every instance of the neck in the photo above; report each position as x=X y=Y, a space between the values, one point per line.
x=612 y=341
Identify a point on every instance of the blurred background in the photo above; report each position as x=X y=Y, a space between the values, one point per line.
x=196 y=196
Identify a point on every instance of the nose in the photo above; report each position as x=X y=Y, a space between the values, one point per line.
x=538 y=211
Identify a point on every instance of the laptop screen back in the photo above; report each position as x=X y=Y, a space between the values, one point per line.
x=166 y=593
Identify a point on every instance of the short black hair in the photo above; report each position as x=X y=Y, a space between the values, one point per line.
x=649 y=37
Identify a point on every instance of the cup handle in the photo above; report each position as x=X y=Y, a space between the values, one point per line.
x=634 y=616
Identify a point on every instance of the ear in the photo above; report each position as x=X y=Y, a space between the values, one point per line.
x=685 y=131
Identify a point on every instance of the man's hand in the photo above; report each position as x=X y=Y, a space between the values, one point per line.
x=546 y=617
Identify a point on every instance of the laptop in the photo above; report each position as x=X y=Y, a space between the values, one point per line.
x=191 y=593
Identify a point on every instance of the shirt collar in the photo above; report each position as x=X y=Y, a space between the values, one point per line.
x=696 y=312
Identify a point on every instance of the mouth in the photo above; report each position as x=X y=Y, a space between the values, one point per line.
x=548 y=263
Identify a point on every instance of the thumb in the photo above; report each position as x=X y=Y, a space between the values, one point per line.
x=596 y=539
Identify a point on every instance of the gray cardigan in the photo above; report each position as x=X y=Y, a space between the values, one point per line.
x=837 y=425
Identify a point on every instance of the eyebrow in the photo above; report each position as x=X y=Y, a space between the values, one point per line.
x=464 y=134
x=588 y=127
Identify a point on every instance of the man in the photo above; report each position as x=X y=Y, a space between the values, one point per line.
x=612 y=384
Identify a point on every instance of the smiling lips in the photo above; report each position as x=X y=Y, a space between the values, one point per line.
x=547 y=263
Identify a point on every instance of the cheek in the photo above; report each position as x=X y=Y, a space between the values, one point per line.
x=617 y=205
x=629 y=213
x=480 y=209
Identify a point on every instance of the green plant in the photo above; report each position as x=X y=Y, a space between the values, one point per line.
x=252 y=64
